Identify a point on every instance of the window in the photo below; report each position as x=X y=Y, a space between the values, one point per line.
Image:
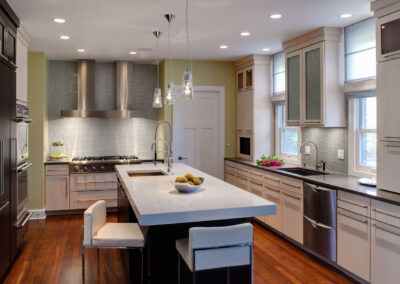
x=287 y=138
x=278 y=73
x=362 y=136
x=360 y=42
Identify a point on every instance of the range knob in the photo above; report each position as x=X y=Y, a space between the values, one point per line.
x=85 y=169
x=76 y=168
x=94 y=168
x=102 y=168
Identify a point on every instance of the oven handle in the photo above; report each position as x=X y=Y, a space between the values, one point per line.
x=2 y=167
x=24 y=168
x=23 y=119
x=25 y=220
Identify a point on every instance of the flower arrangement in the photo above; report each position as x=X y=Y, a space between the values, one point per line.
x=270 y=161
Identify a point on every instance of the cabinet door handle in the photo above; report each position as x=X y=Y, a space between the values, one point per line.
x=105 y=199
x=353 y=203
x=95 y=182
x=256 y=183
x=269 y=178
x=292 y=196
x=66 y=187
x=4 y=205
x=384 y=213
x=2 y=168
x=272 y=189
x=386 y=230
x=242 y=178
x=348 y=216
x=288 y=184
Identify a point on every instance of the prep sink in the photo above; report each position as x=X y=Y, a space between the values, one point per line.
x=302 y=171
x=147 y=173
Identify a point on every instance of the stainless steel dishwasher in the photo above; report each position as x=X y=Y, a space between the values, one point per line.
x=320 y=220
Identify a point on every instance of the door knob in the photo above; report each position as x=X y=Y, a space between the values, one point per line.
x=180 y=158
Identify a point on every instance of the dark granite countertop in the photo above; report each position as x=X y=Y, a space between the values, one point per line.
x=332 y=180
x=67 y=161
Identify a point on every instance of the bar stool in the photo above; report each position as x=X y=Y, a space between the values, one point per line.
x=216 y=247
x=97 y=233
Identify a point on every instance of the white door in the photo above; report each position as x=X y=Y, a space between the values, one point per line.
x=199 y=130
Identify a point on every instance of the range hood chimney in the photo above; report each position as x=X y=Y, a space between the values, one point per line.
x=86 y=94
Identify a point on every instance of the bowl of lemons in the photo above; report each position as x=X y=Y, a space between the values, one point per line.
x=188 y=183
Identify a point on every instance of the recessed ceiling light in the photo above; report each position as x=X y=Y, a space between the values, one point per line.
x=346 y=15
x=132 y=52
x=245 y=34
x=265 y=49
x=80 y=50
x=275 y=16
x=64 y=37
x=223 y=47
x=59 y=20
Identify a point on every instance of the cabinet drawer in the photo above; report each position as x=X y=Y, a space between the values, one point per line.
x=385 y=212
x=354 y=203
x=83 y=199
x=56 y=170
x=230 y=170
x=230 y=177
x=256 y=175
x=293 y=185
x=272 y=181
x=230 y=164
x=84 y=182
x=244 y=170
x=241 y=181
x=256 y=187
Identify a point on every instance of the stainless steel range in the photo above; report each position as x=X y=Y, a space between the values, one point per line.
x=100 y=164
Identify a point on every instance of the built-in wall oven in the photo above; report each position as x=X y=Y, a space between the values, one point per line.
x=23 y=164
x=245 y=145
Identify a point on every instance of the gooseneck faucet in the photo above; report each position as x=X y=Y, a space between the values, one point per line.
x=317 y=162
x=169 y=145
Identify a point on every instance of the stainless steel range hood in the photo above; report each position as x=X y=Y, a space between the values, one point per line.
x=87 y=92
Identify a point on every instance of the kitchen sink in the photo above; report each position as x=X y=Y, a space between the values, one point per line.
x=302 y=171
x=149 y=173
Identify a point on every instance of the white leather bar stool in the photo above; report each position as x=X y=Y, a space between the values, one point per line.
x=216 y=247
x=97 y=233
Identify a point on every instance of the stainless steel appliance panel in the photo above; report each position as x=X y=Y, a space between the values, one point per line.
x=320 y=204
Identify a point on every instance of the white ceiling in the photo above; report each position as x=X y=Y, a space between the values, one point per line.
x=109 y=29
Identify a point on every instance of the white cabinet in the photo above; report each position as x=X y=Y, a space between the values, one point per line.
x=57 y=192
x=22 y=64
x=292 y=215
x=274 y=195
x=244 y=79
x=244 y=111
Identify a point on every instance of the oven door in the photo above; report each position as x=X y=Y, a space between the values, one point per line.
x=22 y=188
x=22 y=139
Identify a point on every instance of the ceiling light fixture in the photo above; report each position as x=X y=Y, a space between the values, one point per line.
x=59 y=20
x=223 y=46
x=80 y=50
x=132 y=52
x=245 y=34
x=187 y=81
x=157 y=99
x=169 y=93
x=346 y=15
x=64 y=37
x=265 y=49
x=275 y=16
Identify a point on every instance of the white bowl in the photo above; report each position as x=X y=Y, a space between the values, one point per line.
x=186 y=187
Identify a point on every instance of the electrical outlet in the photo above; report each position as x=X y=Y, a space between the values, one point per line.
x=340 y=154
x=307 y=150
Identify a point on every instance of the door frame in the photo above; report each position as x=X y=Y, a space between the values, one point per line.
x=220 y=90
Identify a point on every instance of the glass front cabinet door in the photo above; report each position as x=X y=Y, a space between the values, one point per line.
x=293 y=87
x=313 y=84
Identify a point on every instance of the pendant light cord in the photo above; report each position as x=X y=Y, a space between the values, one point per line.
x=187 y=37
x=158 y=71
x=169 y=51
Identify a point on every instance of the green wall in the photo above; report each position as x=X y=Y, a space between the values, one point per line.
x=37 y=100
x=206 y=73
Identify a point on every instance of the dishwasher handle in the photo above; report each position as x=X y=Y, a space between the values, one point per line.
x=317 y=188
x=317 y=225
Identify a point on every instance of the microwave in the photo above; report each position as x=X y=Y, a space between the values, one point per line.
x=388 y=39
x=244 y=145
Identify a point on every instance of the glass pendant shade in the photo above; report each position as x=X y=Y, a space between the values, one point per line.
x=187 y=86
x=157 y=100
x=169 y=94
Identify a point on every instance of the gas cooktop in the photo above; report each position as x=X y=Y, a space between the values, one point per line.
x=104 y=158
x=101 y=163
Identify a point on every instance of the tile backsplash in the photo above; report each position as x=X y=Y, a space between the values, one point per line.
x=329 y=141
x=99 y=136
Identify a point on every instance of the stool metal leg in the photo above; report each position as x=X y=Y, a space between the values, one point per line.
x=179 y=268
x=194 y=277
x=228 y=274
x=141 y=265
x=98 y=264
x=83 y=264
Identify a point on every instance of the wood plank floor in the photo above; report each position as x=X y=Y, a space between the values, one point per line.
x=52 y=254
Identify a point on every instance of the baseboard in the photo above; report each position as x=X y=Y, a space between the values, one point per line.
x=38 y=214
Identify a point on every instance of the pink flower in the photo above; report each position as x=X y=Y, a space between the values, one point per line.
x=262 y=161
x=267 y=164
x=278 y=164
x=272 y=161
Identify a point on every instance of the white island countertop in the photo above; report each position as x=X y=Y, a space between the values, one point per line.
x=155 y=200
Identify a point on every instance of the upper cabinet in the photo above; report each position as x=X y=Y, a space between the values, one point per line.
x=9 y=23
x=314 y=79
x=244 y=79
x=22 y=63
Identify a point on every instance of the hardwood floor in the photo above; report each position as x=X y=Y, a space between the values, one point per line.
x=53 y=255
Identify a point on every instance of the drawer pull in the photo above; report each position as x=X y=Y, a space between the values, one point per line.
x=384 y=213
x=353 y=203
x=57 y=170
x=348 y=216
x=89 y=182
x=386 y=230
x=273 y=179
x=229 y=173
x=106 y=199
x=272 y=189
x=242 y=178
x=292 y=196
x=256 y=183
x=288 y=184
x=257 y=175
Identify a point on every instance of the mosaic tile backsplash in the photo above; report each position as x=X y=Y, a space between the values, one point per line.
x=99 y=136
x=329 y=141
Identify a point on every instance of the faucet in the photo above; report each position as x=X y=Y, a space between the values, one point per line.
x=169 y=154
x=167 y=151
x=317 y=162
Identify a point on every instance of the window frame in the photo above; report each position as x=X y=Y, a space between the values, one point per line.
x=288 y=158
x=273 y=93
x=354 y=134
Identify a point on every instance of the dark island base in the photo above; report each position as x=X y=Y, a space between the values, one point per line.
x=161 y=257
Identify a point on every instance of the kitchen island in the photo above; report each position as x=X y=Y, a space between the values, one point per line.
x=153 y=201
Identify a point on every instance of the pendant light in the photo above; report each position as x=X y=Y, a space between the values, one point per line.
x=157 y=99
x=187 y=81
x=169 y=93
